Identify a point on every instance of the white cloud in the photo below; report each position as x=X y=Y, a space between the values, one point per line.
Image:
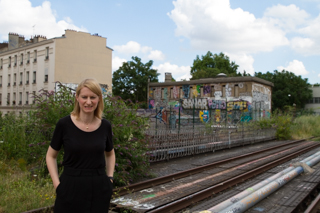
x=131 y=47
x=178 y=73
x=156 y=55
x=244 y=61
x=117 y=62
x=296 y=67
x=213 y=25
x=20 y=16
x=286 y=17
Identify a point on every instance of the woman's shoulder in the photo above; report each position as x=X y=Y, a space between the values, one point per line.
x=105 y=122
x=64 y=120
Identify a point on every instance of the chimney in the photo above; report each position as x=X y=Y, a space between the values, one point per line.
x=168 y=77
x=13 y=41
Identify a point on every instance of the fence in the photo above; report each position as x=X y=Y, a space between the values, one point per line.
x=167 y=144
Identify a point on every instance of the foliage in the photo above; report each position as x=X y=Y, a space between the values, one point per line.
x=210 y=65
x=306 y=126
x=129 y=140
x=288 y=89
x=281 y=121
x=130 y=81
x=18 y=187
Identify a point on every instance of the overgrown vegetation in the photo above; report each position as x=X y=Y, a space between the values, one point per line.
x=24 y=141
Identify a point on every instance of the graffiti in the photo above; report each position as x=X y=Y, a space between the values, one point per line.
x=216 y=104
x=204 y=116
x=217 y=116
x=207 y=89
x=199 y=89
x=217 y=87
x=151 y=103
x=186 y=91
x=162 y=116
x=174 y=104
x=218 y=94
x=165 y=94
x=244 y=94
x=175 y=92
x=172 y=120
x=258 y=96
x=151 y=93
x=157 y=93
x=228 y=90
x=196 y=103
x=194 y=91
x=239 y=105
x=246 y=117
x=160 y=104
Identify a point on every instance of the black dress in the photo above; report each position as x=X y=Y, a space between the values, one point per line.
x=84 y=185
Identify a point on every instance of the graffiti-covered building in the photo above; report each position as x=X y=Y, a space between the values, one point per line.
x=245 y=94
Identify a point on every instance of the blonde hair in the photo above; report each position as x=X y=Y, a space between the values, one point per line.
x=94 y=86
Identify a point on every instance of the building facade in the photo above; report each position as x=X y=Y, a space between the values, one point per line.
x=245 y=94
x=314 y=103
x=27 y=66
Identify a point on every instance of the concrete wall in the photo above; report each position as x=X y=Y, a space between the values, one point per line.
x=80 y=55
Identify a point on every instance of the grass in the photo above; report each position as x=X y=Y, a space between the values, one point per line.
x=21 y=191
x=305 y=127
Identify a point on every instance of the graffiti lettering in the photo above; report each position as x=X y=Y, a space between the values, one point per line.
x=240 y=105
x=216 y=104
x=196 y=103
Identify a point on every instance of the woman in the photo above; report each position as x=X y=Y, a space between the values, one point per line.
x=89 y=159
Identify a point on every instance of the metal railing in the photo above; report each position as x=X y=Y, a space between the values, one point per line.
x=166 y=144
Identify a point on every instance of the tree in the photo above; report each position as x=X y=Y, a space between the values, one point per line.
x=130 y=81
x=210 y=65
x=288 y=89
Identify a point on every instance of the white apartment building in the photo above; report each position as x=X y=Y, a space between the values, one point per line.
x=314 y=103
x=27 y=66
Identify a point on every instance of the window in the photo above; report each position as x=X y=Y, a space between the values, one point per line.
x=1 y=81
x=34 y=77
x=35 y=56
x=47 y=53
x=27 y=77
x=14 y=79
x=27 y=98
x=14 y=99
x=316 y=100
x=20 y=98
x=46 y=75
x=9 y=80
x=21 y=59
x=15 y=60
x=8 y=98
x=20 y=78
x=0 y=99
x=28 y=57
x=9 y=64
x=34 y=96
x=1 y=63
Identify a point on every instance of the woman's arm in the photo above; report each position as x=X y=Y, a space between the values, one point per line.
x=51 y=159
x=110 y=162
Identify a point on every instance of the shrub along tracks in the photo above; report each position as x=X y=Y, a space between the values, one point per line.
x=177 y=191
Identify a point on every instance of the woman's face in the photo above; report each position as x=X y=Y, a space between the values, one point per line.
x=88 y=100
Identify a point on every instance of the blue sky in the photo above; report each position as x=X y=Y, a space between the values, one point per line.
x=259 y=36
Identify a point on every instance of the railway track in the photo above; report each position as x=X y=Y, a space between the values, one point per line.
x=177 y=191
